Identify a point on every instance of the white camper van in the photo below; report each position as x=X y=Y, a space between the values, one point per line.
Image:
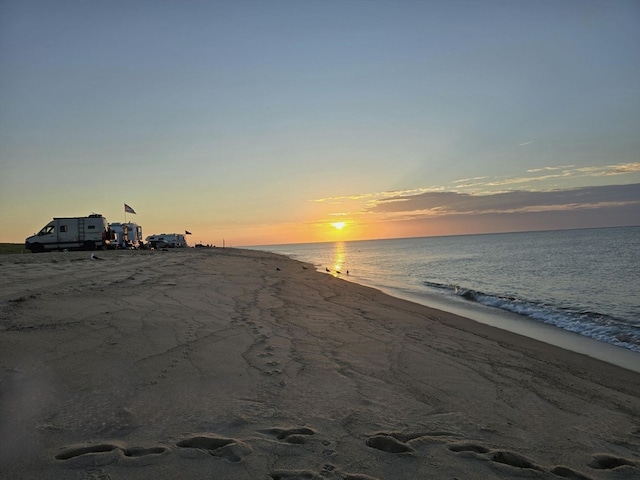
x=128 y=235
x=171 y=240
x=74 y=233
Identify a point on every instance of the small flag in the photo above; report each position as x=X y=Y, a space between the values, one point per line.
x=128 y=209
x=187 y=232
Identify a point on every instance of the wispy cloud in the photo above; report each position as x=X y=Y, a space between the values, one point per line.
x=563 y=172
x=376 y=196
x=524 y=144
x=453 y=203
x=545 y=169
x=468 y=180
x=610 y=170
x=521 y=180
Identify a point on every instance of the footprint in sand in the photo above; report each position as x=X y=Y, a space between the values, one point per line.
x=468 y=447
x=398 y=442
x=608 y=462
x=205 y=445
x=389 y=444
x=91 y=449
x=106 y=454
x=290 y=435
x=566 y=472
x=515 y=460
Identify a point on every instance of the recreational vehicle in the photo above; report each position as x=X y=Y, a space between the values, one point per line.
x=128 y=235
x=71 y=233
x=170 y=240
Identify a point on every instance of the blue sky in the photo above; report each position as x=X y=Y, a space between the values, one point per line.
x=266 y=121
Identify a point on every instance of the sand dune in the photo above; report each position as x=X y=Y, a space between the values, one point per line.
x=233 y=364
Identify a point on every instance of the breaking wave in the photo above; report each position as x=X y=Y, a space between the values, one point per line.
x=595 y=325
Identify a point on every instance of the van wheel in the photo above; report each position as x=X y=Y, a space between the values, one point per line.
x=89 y=245
x=36 y=248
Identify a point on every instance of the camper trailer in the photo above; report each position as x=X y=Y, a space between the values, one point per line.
x=72 y=233
x=128 y=235
x=170 y=240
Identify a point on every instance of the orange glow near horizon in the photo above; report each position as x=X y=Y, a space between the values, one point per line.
x=339 y=225
x=321 y=230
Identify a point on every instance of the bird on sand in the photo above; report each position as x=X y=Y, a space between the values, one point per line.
x=327 y=270
x=95 y=257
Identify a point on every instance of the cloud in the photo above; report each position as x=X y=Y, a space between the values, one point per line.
x=564 y=172
x=560 y=199
x=561 y=167
x=375 y=196
x=432 y=204
x=610 y=170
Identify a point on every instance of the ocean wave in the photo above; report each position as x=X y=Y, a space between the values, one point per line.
x=591 y=324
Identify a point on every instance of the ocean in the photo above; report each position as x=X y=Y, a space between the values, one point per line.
x=584 y=281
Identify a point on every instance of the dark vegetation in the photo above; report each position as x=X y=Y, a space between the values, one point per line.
x=12 y=248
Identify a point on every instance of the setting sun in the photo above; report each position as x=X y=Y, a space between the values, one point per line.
x=339 y=225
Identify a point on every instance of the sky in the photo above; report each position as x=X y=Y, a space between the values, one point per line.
x=281 y=121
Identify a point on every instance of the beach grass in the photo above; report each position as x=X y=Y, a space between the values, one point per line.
x=8 y=248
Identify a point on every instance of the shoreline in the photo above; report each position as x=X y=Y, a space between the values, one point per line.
x=245 y=364
x=523 y=326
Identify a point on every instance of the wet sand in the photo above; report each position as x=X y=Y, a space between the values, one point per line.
x=238 y=364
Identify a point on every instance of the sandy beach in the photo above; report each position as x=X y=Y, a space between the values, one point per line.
x=238 y=364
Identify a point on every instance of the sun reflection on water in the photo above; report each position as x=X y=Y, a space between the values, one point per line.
x=338 y=257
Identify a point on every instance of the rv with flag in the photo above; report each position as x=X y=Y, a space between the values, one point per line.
x=128 y=235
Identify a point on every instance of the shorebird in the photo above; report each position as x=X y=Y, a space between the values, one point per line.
x=327 y=270
x=95 y=257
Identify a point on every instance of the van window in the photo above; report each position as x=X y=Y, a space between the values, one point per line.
x=63 y=228
x=91 y=227
x=46 y=230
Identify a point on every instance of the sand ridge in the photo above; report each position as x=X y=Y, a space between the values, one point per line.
x=225 y=363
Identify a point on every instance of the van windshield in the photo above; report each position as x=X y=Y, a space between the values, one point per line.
x=46 y=230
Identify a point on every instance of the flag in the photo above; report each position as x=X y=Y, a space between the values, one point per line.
x=187 y=232
x=128 y=209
